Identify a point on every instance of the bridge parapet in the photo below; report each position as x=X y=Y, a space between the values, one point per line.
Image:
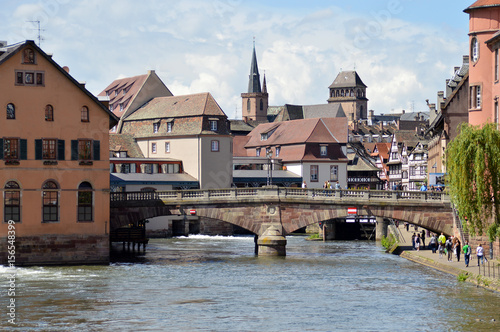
x=234 y=194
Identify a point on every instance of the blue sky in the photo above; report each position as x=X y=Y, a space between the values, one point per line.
x=403 y=50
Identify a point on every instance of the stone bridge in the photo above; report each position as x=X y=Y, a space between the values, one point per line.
x=272 y=213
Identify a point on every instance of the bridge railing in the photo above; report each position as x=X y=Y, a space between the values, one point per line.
x=312 y=194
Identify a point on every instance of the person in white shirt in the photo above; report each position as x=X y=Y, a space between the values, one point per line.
x=480 y=254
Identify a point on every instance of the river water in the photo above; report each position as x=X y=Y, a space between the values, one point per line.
x=206 y=283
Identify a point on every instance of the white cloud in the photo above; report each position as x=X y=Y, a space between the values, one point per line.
x=198 y=46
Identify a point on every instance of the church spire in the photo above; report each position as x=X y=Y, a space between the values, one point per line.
x=254 y=77
x=264 y=85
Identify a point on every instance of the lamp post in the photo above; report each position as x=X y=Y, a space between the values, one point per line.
x=269 y=155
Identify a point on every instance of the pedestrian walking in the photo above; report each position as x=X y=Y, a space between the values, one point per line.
x=480 y=254
x=449 y=249
x=433 y=243
x=466 y=250
x=417 y=242
x=413 y=241
x=423 y=238
x=457 y=249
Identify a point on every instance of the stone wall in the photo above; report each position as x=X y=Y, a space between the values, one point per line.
x=55 y=249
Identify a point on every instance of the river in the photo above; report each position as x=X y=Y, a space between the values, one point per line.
x=202 y=283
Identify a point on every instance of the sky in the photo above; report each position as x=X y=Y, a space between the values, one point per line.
x=403 y=50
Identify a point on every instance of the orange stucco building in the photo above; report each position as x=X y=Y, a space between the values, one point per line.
x=484 y=66
x=54 y=162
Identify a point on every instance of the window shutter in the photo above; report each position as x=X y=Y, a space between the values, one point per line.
x=60 y=150
x=132 y=168
x=24 y=149
x=74 y=149
x=38 y=149
x=97 y=150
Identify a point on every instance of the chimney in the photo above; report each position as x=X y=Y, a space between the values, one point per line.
x=370 y=117
x=466 y=60
x=448 y=89
x=404 y=111
x=440 y=98
x=432 y=108
x=245 y=119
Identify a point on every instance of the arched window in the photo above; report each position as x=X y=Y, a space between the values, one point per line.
x=12 y=202
x=85 y=200
x=85 y=114
x=49 y=113
x=50 y=201
x=248 y=105
x=11 y=111
x=474 y=49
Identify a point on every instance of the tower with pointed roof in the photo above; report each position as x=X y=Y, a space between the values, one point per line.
x=349 y=91
x=255 y=100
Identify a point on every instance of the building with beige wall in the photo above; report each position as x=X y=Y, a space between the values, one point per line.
x=54 y=167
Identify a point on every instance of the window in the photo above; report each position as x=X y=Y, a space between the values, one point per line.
x=167 y=147
x=169 y=127
x=213 y=125
x=125 y=168
x=12 y=202
x=261 y=105
x=153 y=147
x=278 y=150
x=405 y=174
x=50 y=200
x=248 y=105
x=215 y=146
x=323 y=150
x=121 y=107
x=474 y=49
x=394 y=155
x=334 y=173
x=85 y=114
x=84 y=149
x=11 y=111
x=49 y=149
x=85 y=202
x=10 y=148
x=28 y=56
x=156 y=127
x=49 y=113
x=263 y=137
x=496 y=65
x=314 y=173
x=31 y=78
x=475 y=97
x=257 y=152
x=111 y=108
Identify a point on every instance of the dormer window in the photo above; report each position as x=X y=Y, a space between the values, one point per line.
x=156 y=127
x=323 y=151
x=278 y=150
x=169 y=127
x=263 y=137
x=213 y=125
x=121 y=107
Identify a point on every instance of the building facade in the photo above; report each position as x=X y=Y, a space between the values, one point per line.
x=54 y=168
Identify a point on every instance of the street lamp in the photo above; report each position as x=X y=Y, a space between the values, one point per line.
x=269 y=154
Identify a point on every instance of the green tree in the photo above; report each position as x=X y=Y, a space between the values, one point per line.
x=473 y=166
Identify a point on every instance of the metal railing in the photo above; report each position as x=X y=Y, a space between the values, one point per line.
x=490 y=270
x=288 y=193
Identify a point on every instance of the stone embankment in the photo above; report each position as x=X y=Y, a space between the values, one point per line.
x=472 y=273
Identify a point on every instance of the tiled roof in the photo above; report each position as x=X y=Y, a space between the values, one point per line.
x=410 y=116
x=239 y=143
x=125 y=142
x=347 y=79
x=482 y=3
x=178 y=106
x=242 y=126
x=301 y=131
x=330 y=110
x=122 y=92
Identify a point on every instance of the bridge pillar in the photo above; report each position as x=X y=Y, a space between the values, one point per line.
x=381 y=228
x=272 y=242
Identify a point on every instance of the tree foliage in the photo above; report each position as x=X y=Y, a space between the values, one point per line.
x=473 y=167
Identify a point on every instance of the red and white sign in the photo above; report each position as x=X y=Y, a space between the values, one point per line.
x=352 y=210
x=192 y=212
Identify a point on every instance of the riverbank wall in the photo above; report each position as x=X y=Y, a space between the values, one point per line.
x=469 y=274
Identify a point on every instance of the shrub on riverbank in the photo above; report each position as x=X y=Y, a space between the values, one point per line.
x=388 y=241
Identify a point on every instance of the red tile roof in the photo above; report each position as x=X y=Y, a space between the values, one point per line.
x=115 y=92
x=482 y=3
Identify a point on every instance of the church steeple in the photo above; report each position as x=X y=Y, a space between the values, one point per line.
x=254 y=77
x=255 y=101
